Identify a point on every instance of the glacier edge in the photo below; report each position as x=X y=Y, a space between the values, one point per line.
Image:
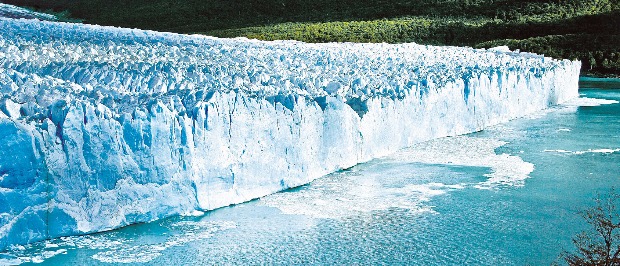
x=105 y=127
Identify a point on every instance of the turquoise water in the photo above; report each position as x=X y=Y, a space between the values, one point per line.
x=508 y=195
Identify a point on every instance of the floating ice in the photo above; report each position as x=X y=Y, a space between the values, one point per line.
x=506 y=170
x=602 y=151
x=104 y=127
x=591 y=102
x=130 y=253
x=360 y=191
x=571 y=106
x=357 y=196
x=111 y=250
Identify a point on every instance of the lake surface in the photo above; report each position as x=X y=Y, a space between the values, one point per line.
x=508 y=195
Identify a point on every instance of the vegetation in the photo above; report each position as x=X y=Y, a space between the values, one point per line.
x=588 y=30
x=599 y=54
x=600 y=245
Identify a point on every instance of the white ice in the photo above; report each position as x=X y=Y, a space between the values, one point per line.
x=103 y=127
x=10 y=11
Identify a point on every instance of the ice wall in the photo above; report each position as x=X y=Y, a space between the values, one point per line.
x=103 y=127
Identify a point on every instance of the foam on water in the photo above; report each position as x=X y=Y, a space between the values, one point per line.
x=110 y=249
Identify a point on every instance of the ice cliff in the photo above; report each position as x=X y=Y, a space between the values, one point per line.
x=103 y=127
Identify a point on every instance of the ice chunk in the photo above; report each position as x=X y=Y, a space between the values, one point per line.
x=10 y=108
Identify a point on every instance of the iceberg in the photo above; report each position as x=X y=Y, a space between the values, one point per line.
x=103 y=127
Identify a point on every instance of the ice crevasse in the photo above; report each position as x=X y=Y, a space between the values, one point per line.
x=103 y=127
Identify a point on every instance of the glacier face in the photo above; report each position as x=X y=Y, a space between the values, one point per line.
x=103 y=127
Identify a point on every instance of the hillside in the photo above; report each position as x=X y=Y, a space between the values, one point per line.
x=588 y=30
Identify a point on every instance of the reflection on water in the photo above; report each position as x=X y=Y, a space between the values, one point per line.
x=507 y=195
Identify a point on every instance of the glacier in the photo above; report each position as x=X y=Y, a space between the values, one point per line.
x=103 y=127
x=11 y=11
